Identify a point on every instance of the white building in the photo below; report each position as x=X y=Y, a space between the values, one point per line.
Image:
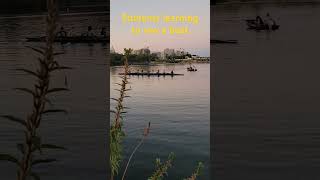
x=143 y=51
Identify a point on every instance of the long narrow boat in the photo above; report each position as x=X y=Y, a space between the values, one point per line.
x=74 y=39
x=216 y=41
x=152 y=74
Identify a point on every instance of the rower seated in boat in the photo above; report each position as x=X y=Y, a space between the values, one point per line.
x=270 y=22
x=61 y=33
x=89 y=32
x=103 y=32
x=71 y=33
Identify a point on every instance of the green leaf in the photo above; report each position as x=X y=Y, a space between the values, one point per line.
x=51 y=146
x=42 y=161
x=58 y=53
x=15 y=119
x=29 y=72
x=55 y=111
x=29 y=91
x=36 y=50
x=115 y=99
x=35 y=176
x=56 y=90
x=10 y=158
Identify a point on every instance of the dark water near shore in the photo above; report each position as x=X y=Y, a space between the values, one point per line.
x=83 y=130
x=266 y=96
x=178 y=109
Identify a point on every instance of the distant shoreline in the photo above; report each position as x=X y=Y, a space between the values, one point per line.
x=155 y=63
x=267 y=2
x=34 y=15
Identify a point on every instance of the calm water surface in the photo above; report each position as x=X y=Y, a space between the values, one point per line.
x=267 y=121
x=178 y=109
x=83 y=130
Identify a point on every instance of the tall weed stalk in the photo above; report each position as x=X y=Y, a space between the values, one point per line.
x=116 y=132
x=33 y=146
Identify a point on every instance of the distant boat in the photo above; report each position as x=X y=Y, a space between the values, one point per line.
x=152 y=74
x=252 y=24
x=216 y=41
x=74 y=39
x=191 y=68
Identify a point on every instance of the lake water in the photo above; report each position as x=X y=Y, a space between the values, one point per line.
x=83 y=131
x=178 y=109
x=266 y=93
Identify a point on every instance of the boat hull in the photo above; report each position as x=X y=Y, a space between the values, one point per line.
x=152 y=74
x=252 y=25
x=76 y=39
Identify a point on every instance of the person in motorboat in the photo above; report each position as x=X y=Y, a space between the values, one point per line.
x=61 y=33
x=269 y=21
x=259 y=22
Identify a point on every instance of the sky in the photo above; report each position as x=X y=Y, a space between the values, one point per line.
x=196 y=42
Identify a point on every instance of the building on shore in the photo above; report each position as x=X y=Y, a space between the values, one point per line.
x=157 y=54
x=168 y=53
x=143 y=51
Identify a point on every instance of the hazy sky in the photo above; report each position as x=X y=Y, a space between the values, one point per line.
x=197 y=42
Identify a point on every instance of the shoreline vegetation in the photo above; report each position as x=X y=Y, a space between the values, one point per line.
x=117 y=59
x=229 y=2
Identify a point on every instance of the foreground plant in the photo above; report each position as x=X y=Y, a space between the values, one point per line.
x=196 y=173
x=33 y=145
x=162 y=168
x=116 y=132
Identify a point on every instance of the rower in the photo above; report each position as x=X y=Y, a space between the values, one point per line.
x=259 y=21
x=71 y=32
x=103 y=32
x=171 y=72
x=90 y=32
x=61 y=33
x=270 y=21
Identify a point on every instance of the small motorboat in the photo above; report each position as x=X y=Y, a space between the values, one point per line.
x=252 y=25
x=191 y=68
